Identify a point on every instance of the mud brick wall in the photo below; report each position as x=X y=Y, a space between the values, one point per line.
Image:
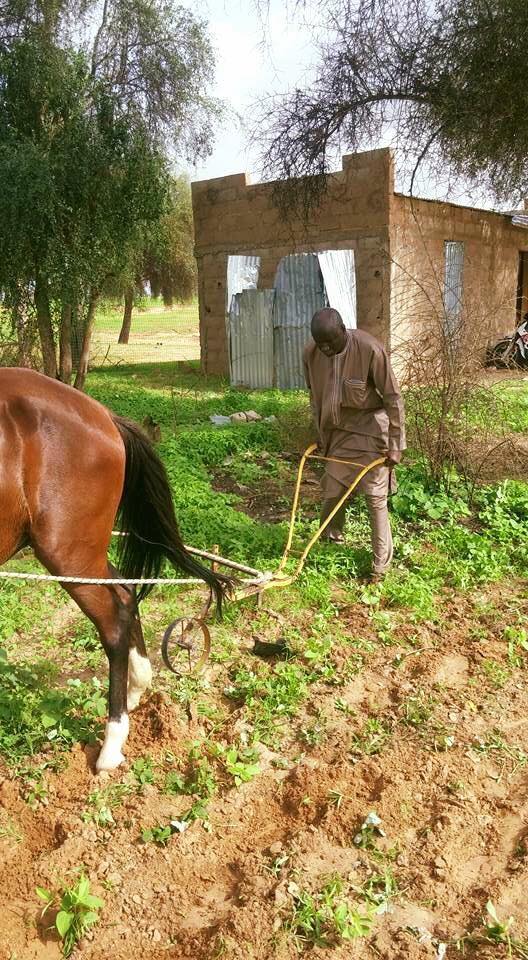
x=232 y=216
x=492 y=244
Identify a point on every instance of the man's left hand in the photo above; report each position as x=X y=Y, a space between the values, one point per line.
x=392 y=459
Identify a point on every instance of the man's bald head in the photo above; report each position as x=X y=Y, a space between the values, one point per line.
x=329 y=331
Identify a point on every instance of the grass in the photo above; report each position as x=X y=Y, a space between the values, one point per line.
x=442 y=542
x=156 y=333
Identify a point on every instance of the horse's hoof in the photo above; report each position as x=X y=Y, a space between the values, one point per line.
x=108 y=761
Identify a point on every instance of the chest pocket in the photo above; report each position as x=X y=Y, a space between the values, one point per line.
x=354 y=394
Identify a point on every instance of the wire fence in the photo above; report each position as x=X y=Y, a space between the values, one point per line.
x=158 y=334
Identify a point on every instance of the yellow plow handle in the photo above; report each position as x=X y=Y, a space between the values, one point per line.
x=309 y=454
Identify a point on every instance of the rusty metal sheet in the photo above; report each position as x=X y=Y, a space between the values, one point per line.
x=251 y=338
x=300 y=292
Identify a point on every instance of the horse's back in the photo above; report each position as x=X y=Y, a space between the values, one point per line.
x=60 y=452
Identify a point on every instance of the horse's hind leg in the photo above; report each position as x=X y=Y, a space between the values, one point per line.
x=112 y=610
x=139 y=668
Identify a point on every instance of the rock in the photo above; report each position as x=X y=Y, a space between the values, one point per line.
x=252 y=415
x=136 y=898
x=275 y=848
x=115 y=879
x=156 y=936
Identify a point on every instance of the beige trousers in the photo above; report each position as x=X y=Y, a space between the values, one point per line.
x=375 y=488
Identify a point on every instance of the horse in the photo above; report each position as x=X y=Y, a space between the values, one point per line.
x=69 y=469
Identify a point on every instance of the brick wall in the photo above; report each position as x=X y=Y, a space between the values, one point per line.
x=398 y=244
x=492 y=244
x=232 y=216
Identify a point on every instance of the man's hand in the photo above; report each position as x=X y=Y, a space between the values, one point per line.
x=392 y=458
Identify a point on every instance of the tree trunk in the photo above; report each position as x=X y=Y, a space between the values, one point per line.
x=77 y=334
x=19 y=323
x=65 y=359
x=155 y=286
x=82 y=368
x=166 y=292
x=45 y=328
x=124 y=335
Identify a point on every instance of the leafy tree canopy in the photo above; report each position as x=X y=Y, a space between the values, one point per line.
x=446 y=79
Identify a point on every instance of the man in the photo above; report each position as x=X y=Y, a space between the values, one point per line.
x=358 y=412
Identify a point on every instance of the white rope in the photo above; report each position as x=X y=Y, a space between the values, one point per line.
x=108 y=581
x=5 y=575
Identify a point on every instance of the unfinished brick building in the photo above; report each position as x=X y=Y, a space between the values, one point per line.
x=408 y=257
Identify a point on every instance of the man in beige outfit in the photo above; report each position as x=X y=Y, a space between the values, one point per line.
x=358 y=412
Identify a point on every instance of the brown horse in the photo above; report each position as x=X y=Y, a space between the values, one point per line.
x=68 y=467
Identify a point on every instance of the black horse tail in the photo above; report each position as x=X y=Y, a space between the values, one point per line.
x=146 y=514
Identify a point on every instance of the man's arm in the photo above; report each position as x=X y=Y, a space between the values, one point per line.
x=389 y=390
x=313 y=408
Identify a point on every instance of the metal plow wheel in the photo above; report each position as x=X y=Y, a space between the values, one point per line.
x=186 y=646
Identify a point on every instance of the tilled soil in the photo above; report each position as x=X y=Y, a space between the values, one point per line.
x=449 y=782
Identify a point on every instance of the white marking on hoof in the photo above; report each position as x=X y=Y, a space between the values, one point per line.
x=115 y=737
x=139 y=677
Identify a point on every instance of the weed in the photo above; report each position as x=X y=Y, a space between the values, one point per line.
x=417 y=710
x=160 y=835
x=102 y=802
x=517 y=638
x=239 y=763
x=495 y=673
x=9 y=829
x=495 y=743
x=143 y=771
x=199 y=779
x=372 y=739
x=270 y=696
x=328 y=917
x=78 y=911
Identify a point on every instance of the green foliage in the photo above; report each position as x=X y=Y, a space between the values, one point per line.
x=143 y=771
x=33 y=715
x=240 y=763
x=328 y=917
x=199 y=778
x=85 y=139
x=168 y=258
x=270 y=696
x=78 y=911
x=160 y=835
x=443 y=68
x=101 y=803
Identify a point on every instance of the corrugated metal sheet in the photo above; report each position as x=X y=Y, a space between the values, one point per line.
x=520 y=220
x=242 y=274
x=251 y=338
x=453 y=282
x=339 y=275
x=300 y=292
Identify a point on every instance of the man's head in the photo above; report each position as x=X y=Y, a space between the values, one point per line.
x=329 y=331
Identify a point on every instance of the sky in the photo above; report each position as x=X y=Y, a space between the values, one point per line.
x=249 y=68
x=253 y=63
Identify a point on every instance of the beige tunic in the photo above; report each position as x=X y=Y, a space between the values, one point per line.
x=357 y=408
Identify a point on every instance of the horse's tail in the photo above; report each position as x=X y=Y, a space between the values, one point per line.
x=146 y=514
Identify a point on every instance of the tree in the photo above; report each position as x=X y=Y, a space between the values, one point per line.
x=169 y=259
x=165 y=257
x=445 y=78
x=85 y=133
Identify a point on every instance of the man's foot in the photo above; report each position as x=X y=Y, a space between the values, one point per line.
x=377 y=577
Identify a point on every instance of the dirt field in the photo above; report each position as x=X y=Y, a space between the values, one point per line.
x=444 y=765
